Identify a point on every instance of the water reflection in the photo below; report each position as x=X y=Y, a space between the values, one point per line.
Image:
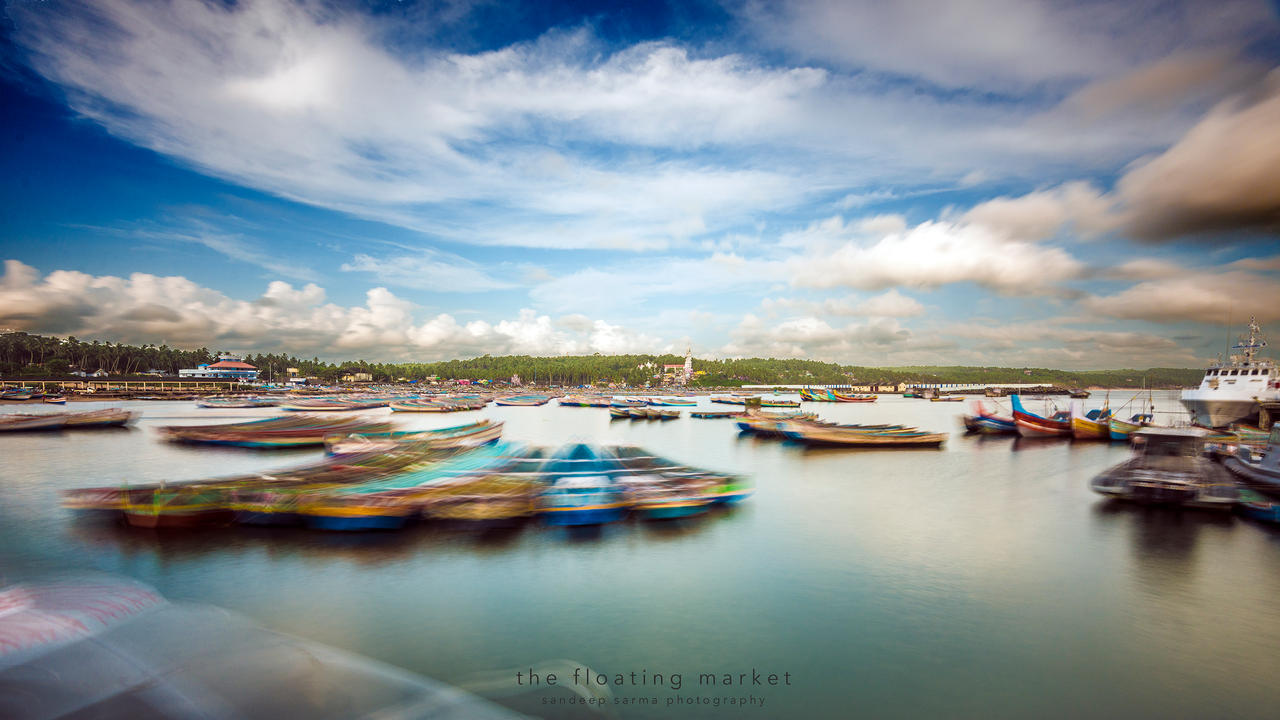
x=377 y=547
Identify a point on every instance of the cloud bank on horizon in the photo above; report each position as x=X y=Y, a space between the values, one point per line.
x=1075 y=184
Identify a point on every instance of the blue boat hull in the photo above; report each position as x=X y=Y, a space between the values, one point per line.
x=585 y=516
x=357 y=523
x=253 y=517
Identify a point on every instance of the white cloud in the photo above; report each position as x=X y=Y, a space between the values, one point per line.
x=145 y=308
x=1214 y=297
x=562 y=142
x=1001 y=44
x=929 y=255
x=1041 y=214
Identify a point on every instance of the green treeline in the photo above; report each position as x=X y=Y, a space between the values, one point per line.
x=26 y=355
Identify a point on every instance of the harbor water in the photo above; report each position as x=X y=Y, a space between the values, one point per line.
x=982 y=580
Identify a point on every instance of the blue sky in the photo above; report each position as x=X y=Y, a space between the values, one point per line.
x=1079 y=185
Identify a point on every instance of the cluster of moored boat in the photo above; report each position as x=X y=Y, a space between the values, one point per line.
x=384 y=480
x=25 y=394
x=1075 y=422
x=1192 y=467
x=109 y=417
x=829 y=395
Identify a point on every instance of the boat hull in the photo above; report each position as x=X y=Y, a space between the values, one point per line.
x=591 y=515
x=1086 y=429
x=1218 y=412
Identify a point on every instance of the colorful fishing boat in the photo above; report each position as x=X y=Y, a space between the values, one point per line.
x=717 y=414
x=235 y=402
x=814 y=434
x=1092 y=425
x=678 y=402
x=651 y=414
x=274 y=432
x=522 y=400
x=1257 y=506
x=58 y=400
x=658 y=497
x=619 y=413
x=473 y=434
x=29 y=423
x=107 y=417
x=438 y=404
x=581 y=489
x=1118 y=429
x=333 y=404
x=1031 y=425
x=987 y=422
x=627 y=403
x=178 y=506
x=388 y=503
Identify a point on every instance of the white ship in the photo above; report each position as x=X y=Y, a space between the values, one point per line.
x=1230 y=391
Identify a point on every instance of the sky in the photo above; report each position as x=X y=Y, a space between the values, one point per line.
x=1079 y=185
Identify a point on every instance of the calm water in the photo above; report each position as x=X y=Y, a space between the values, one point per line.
x=981 y=580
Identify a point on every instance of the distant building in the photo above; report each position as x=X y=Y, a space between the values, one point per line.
x=99 y=373
x=228 y=367
x=356 y=377
x=679 y=373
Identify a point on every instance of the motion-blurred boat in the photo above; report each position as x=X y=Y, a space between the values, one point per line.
x=274 y=432
x=987 y=422
x=1169 y=467
x=1258 y=469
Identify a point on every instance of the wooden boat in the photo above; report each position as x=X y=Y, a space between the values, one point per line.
x=473 y=434
x=177 y=506
x=1118 y=429
x=652 y=414
x=488 y=501
x=273 y=432
x=717 y=414
x=626 y=403
x=31 y=423
x=850 y=398
x=333 y=404
x=108 y=417
x=59 y=400
x=235 y=402
x=986 y=422
x=581 y=488
x=1032 y=425
x=1093 y=425
x=437 y=404
x=619 y=413
x=584 y=401
x=1168 y=467
x=812 y=434
x=1258 y=506
x=678 y=402
x=658 y=497
x=387 y=503
x=522 y=400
